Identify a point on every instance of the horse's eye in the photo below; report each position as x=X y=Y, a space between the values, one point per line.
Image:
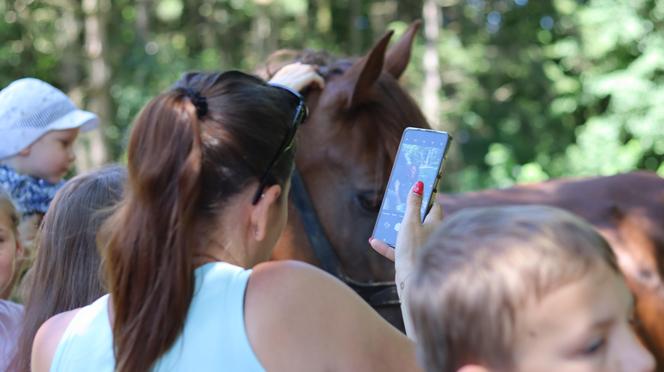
x=369 y=201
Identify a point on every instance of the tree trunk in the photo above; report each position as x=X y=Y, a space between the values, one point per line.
x=67 y=38
x=354 y=29
x=143 y=19
x=432 y=84
x=99 y=99
x=408 y=9
x=262 y=28
x=69 y=31
x=312 y=17
x=324 y=21
x=209 y=32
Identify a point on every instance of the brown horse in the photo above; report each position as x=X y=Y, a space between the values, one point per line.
x=345 y=152
x=346 y=149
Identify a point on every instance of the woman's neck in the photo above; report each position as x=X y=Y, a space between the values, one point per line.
x=225 y=254
x=226 y=240
x=240 y=234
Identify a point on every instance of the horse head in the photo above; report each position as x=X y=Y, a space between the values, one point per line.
x=346 y=149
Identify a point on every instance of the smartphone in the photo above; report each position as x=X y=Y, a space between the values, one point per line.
x=419 y=158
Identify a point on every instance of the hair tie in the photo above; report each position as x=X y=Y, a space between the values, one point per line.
x=198 y=101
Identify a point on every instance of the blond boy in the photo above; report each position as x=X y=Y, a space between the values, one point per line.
x=521 y=288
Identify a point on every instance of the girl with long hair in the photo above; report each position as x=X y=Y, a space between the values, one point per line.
x=66 y=272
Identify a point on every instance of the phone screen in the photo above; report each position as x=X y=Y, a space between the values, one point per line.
x=419 y=158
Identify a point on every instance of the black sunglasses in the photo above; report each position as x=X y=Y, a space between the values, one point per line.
x=300 y=115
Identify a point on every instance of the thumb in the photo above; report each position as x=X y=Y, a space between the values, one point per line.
x=382 y=248
x=414 y=204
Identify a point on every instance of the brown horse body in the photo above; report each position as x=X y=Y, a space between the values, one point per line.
x=348 y=144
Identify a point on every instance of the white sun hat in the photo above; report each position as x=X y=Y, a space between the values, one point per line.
x=30 y=108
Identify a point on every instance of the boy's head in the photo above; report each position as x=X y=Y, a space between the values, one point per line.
x=522 y=288
x=39 y=124
x=10 y=245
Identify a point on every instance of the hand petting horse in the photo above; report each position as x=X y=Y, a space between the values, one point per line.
x=346 y=149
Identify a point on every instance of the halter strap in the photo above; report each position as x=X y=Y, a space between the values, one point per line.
x=376 y=294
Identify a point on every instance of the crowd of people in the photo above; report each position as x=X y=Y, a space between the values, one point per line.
x=163 y=264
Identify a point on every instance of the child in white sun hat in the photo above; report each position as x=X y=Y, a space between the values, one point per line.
x=38 y=127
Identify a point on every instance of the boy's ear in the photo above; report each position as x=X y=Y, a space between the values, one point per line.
x=473 y=368
x=260 y=215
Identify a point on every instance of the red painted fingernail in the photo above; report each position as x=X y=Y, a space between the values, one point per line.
x=418 y=188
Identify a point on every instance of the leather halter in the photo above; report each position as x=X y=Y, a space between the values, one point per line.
x=377 y=294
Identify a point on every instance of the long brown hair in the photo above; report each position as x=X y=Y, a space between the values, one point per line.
x=66 y=274
x=184 y=163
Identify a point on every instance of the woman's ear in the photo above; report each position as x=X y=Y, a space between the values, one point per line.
x=261 y=213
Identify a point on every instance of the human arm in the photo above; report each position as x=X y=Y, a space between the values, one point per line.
x=318 y=323
x=412 y=236
x=298 y=76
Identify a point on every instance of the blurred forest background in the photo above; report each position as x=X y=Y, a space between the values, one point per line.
x=530 y=89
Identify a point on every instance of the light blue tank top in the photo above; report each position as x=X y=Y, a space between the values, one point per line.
x=213 y=339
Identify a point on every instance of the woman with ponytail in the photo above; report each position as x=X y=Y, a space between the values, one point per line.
x=185 y=253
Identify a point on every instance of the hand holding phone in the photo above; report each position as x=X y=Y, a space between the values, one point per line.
x=419 y=158
x=412 y=236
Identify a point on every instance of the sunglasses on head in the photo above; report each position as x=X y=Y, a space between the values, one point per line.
x=299 y=116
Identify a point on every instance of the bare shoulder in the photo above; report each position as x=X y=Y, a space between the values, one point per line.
x=313 y=315
x=292 y=284
x=281 y=276
x=47 y=339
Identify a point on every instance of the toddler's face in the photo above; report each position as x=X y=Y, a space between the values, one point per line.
x=583 y=326
x=8 y=251
x=51 y=156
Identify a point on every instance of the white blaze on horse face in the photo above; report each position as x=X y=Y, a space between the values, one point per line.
x=583 y=326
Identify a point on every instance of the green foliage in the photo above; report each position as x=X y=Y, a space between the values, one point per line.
x=552 y=89
x=626 y=84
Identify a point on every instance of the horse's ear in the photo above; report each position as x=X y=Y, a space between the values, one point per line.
x=398 y=56
x=360 y=78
